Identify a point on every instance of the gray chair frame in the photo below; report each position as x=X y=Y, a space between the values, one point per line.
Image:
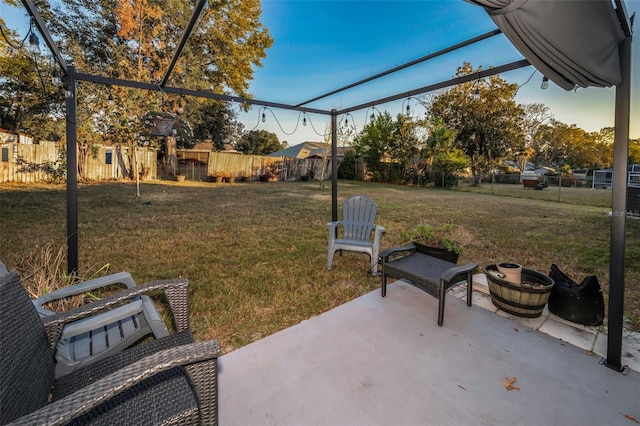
x=98 y=336
x=167 y=381
x=358 y=217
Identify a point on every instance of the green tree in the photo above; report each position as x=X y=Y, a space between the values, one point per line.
x=634 y=151
x=441 y=154
x=216 y=121
x=259 y=142
x=533 y=120
x=488 y=125
x=347 y=167
x=373 y=144
x=136 y=40
x=403 y=147
x=29 y=102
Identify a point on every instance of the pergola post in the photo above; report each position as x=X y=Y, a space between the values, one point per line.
x=72 y=173
x=334 y=165
x=619 y=210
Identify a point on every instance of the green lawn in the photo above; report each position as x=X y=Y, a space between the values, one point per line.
x=255 y=253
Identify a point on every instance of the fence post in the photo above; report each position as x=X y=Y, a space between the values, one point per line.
x=559 y=188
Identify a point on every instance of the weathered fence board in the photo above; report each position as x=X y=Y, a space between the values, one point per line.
x=22 y=162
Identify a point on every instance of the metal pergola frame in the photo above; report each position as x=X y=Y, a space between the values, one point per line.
x=622 y=116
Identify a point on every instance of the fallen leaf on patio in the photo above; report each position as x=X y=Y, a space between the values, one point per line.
x=462 y=387
x=509 y=384
x=516 y=329
x=630 y=417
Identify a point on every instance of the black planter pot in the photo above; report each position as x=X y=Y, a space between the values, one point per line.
x=439 y=253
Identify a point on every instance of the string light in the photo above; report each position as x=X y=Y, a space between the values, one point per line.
x=545 y=82
x=34 y=44
x=264 y=117
x=55 y=78
x=304 y=119
x=180 y=105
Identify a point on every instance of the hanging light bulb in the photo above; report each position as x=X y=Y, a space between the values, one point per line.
x=408 y=111
x=476 y=94
x=34 y=44
x=346 y=121
x=304 y=120
x=110 y=99
x=372 y=117
x=545 y=83
x=264 y=117
x=55 y=78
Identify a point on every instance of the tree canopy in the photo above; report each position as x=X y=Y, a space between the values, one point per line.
x=259 y=142
x=486 y=118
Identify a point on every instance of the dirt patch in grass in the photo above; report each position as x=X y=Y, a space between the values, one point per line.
x=255 y=254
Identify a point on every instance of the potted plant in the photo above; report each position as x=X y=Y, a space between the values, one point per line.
x=445 y=242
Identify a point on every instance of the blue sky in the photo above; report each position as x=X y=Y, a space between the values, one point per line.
x=320 y=46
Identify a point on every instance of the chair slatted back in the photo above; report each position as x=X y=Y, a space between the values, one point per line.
x=26 y=359
x=358 y=217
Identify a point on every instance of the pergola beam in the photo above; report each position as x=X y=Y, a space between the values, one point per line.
x=408 y=64
x=196 y=93
x=187 y=32
x=447 y=83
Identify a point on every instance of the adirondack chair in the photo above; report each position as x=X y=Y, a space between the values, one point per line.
x=98 y=336
x=88 y=340
x=171 y=380
x=358 y=215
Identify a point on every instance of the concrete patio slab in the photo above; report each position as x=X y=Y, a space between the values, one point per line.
x=384 y=361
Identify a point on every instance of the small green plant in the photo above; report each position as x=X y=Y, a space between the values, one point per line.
x=448 y=236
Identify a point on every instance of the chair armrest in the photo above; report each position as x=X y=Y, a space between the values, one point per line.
x=66 y=409
x=388 y=252
x=458 y=271
x=379 y=230
x=176 y=292
x=118 y=278
x=101 y=319
x=334 y=225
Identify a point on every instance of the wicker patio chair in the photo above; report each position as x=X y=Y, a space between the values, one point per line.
x=358 y=216
x=166 y=381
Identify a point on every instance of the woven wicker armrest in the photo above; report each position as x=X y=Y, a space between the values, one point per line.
x=66 y=409
x=388 y=252
x=452 y=274
x=176 y=292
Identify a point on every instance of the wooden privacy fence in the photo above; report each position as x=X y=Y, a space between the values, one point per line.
x=15 y=158
x=114 y=162
x=258 y=167
x=25 y=163
x=205 y=165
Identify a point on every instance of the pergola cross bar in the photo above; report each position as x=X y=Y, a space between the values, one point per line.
x=447 y=83
x=187 y=32
x=408 y=64
x=197 y=93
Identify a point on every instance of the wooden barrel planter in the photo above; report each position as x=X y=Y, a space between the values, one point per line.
x=527 y=299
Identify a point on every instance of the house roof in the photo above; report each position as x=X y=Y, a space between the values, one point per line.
x=308 y=149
